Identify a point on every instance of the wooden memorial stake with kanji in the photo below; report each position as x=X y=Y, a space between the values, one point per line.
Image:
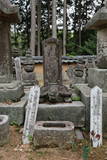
x=31 y=114
x=96 y=117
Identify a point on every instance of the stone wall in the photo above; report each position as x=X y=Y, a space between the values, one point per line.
x=68 y=63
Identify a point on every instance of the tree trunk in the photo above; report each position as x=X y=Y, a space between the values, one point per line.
x=33 y=27
x=64 y=27
x=54 y=34
x=39 y=26
x=49 y=17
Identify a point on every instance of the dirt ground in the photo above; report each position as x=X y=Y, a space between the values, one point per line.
x=16 y=151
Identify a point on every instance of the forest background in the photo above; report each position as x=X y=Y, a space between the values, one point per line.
x=79 y=41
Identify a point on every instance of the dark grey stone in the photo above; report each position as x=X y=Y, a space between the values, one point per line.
x=52 y=61
x=55 y=93
x=53 y=90
x=15 y=111
x=11 y=91
x=73 y=112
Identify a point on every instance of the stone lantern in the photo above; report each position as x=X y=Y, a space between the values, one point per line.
x=9 y=89
x=98 y=76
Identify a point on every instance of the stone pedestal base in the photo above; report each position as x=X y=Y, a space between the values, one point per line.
x=73 y=112
x=97 y=77
x=15 y=111
x=55 y=93
x=11 y=92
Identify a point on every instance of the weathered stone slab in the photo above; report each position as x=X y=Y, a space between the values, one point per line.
x=102 y=48
x=15 y=111
x=5 y=53
x=18 y=69
x=53 y=133
x=31 y=114
x=73 y=112
x=96 y=117
x=53 y=91
x=52 y=61
x=97 y=77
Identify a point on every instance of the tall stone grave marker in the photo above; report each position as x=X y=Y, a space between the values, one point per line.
x=18 y=69
x=96 y=117
x=53 y=89
x=31 y=114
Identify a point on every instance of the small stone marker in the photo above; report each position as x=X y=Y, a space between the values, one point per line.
x=96 y=117
x=18 y=69
x=31 y=114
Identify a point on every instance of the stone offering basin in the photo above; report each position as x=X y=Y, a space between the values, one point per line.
x=4 y=129
x=53 y=133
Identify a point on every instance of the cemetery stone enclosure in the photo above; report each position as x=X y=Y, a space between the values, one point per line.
x=56 y=99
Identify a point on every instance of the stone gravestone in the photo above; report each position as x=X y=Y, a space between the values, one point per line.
x=31 y=114
x=18 y=69
x=53 y=89
x=52 y=61
x=96 y=117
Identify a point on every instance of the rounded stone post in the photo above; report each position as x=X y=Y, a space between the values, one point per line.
x=5 y=53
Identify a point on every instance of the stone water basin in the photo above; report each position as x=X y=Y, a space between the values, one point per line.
x=53 y=133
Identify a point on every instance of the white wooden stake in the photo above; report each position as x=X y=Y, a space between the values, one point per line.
x=96 y=117
x=31 y=114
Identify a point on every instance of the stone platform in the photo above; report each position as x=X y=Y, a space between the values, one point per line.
x=84 y=91
x=73 y=112
x=53 y=133
x=15 y=111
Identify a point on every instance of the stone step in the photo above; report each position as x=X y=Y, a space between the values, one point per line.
x=73 y=112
